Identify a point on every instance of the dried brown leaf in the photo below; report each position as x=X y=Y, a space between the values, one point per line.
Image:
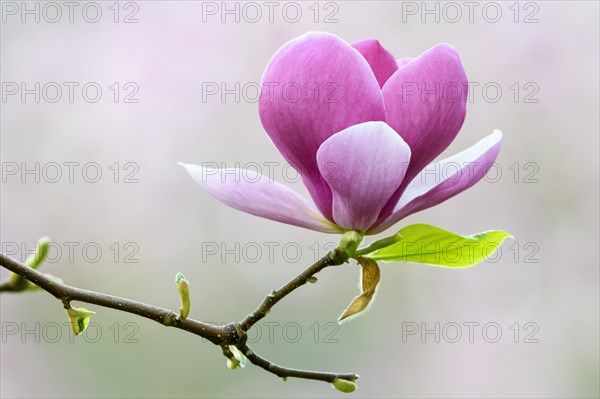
x=369 y=280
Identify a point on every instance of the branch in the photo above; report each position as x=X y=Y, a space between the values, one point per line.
x=66 y=294
x=334 y=258
x=285 y=372
x=232 y=334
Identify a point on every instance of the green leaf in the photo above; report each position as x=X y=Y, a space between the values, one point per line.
x=422 y=243
x=369 y=280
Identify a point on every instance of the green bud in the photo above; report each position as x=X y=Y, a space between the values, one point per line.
x=344 y=385
x=312 y=279
x=238 y=359
x=79 y=319
x=232 y=364
x=183 y=286
x=350 y=242
x=41 y=251
x=19 y=283
x=239 y=356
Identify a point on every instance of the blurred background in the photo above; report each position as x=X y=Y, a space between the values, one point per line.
x=95 y=168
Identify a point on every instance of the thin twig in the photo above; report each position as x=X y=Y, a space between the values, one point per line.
x=230 y=334
x=334 y=258
x=66 y=294
x=285 y=372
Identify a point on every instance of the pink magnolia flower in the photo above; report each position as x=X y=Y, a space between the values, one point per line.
x=359 y=126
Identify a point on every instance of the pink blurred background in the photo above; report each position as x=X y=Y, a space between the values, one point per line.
x=152 y=212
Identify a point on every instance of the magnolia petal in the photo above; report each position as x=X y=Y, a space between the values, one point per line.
x=364 y=165
x=251 y=192
x=370 y=277
x=425 y=102
x=403 y=61
x=382 y=62
x=435 y=183
x=314 y=86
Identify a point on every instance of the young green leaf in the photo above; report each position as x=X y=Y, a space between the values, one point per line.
x=369 y=281
x=79 y=318
x=422 y=243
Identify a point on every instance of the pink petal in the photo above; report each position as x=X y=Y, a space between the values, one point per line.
x=313 y=87
x=382 y=62
x=251 y=192
x=403 y=61
x=425 y=103
x=363 y=164
x=446 y=178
